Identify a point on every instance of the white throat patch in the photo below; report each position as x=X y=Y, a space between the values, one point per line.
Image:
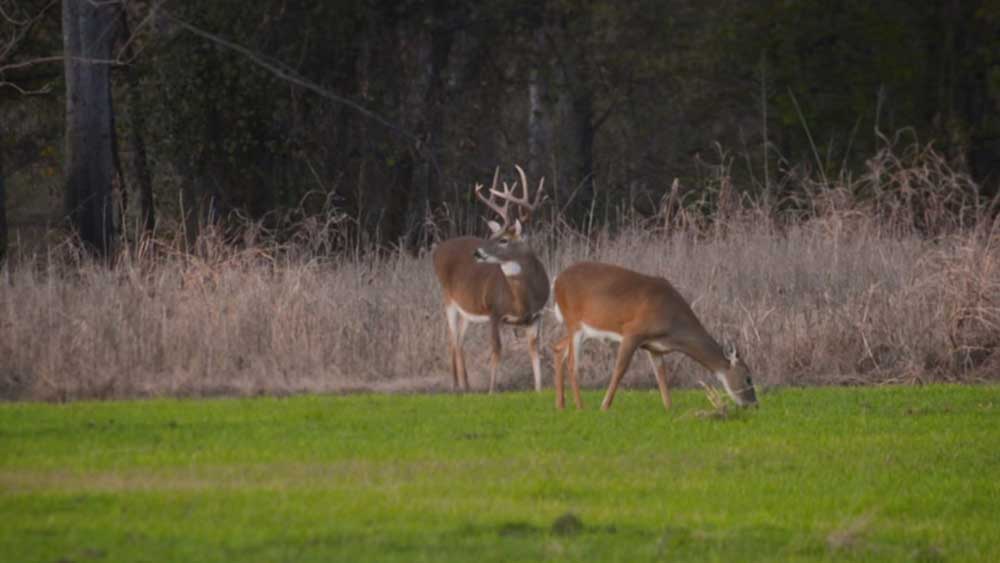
x=725 y=384
x=510 y=268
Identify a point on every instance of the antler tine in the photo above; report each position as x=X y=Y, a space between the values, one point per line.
x=503 y=212
x=527 y=206
x=539 y=194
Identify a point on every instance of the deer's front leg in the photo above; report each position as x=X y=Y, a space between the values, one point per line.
x=454 y=346
x=625 y=351
x=534 y=331
x=660 y=371
x=495 y=348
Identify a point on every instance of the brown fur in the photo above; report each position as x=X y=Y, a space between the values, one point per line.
x=481 y=288
x=646 y=312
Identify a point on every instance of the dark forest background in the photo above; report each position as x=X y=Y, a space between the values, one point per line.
x=381 y=115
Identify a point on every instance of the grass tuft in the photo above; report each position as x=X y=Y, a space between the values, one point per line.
x=851 y=536
x=718 y=400
x=568 y=524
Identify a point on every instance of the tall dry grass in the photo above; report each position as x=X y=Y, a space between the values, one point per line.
x=872 y=280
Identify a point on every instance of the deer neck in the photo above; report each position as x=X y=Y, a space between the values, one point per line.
x=526 y=282
x=705 y=350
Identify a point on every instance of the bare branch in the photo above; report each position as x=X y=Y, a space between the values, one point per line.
x=32 y=62
x=11 y=19
x=24 y=27
x=147 y=21
x=285 y=72
x=119 y=60
x=47 y=89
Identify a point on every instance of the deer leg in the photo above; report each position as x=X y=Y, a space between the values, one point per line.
x=559 y=353
x=660 y=371
x=625 y=351
x=452 y=315
x=495 y=354
x=536 y=365
x=575 y=341
x=463 y=377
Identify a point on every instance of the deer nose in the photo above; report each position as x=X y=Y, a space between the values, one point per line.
x=479 y=254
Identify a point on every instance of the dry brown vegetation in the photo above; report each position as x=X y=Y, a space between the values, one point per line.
x=893 y=276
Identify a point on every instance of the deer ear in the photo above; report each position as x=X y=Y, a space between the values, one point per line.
x=731 y=354
x=517 y=228
x=494 y=226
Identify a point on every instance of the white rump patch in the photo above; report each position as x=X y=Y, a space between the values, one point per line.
x=510 y=268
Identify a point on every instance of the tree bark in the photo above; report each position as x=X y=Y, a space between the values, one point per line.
x=87 y=40
x=413 y=46
x=561 y=117
x=442 y=39
x=579 y=147
x=384 y=189
x=576 y=104
x=540 y=118
x=137 y=113
x=3 y=214
x=425 y=48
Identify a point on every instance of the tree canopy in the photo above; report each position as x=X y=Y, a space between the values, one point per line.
x=388 y=111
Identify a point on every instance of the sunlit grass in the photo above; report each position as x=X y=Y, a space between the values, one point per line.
x=887 y=473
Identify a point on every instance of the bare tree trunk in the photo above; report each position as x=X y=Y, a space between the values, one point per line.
x=382 y=197
x=576 y=112
x=424 y=51
x=137 y=113
x=3 y=214
x=579 y=147
x=540 y=119
x=973 y=100
x=416 y=69
x=87 y=40
x=561 y=121
x=442 y=39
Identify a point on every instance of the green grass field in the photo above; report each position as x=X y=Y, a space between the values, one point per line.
x=906 y=474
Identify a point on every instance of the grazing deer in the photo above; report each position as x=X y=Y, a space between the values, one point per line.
x=497 y=280
x=638 y=311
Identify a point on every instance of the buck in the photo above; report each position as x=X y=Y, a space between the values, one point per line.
x=603 y=301
x=497 y=280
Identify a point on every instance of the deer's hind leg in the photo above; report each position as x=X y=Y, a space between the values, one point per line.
x=560 y=352
x=575 y=340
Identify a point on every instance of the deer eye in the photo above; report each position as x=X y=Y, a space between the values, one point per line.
x=749 y=380
x=503 y=242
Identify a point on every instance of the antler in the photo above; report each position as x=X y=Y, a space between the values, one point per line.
x=495 y=205
x=525 y=204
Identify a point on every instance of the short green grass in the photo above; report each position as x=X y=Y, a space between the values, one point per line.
x=905 y=474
